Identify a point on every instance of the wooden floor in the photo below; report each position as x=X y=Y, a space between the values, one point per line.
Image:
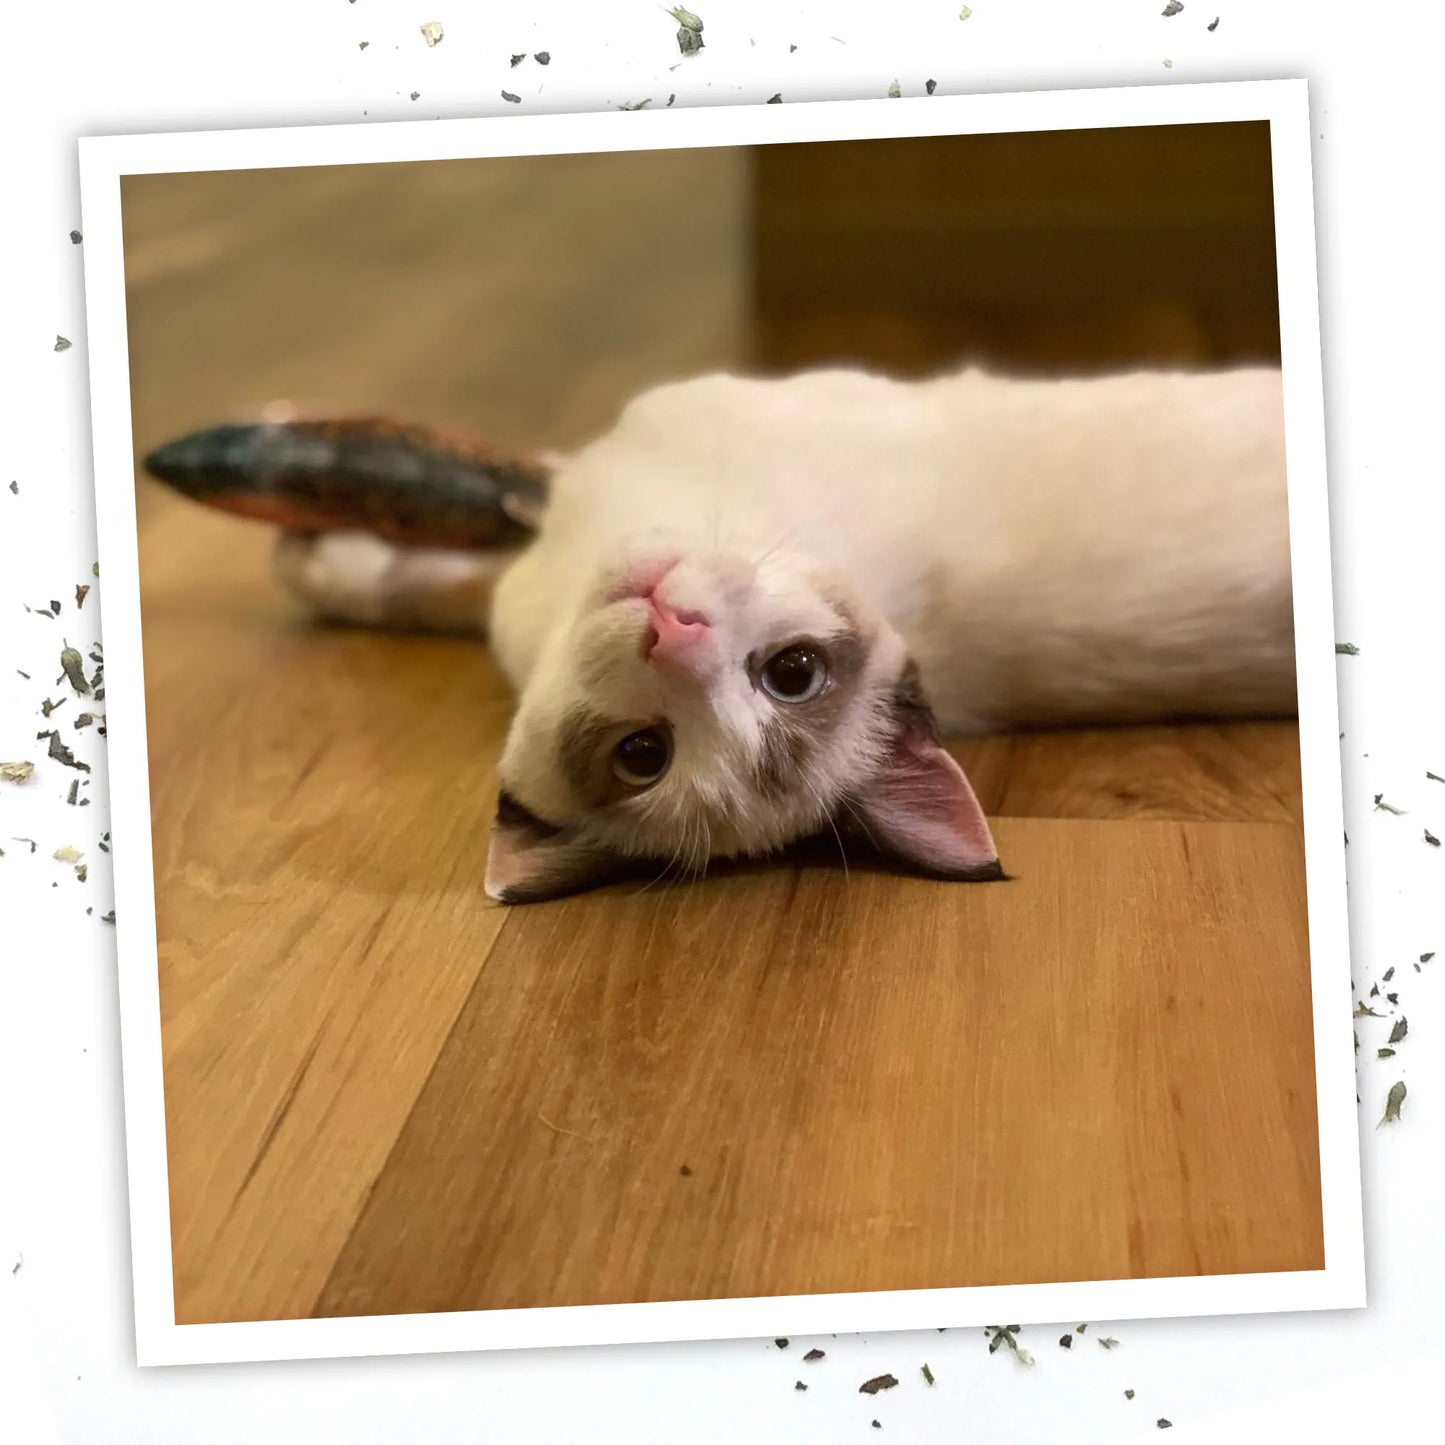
x=386 y=1094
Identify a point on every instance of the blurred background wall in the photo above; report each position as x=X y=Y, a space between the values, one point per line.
x=529 y=298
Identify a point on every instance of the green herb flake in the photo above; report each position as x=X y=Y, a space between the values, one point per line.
x=1388 y=974
x=1426 y=957
x=894 y=92
x=799 y=1385
x=73 y=665
x=108 y=917
x=1381 y=806
x=510 y=98
x=74 y=792
x=1108 y=1342
x=814 y=1354
x=927 y=1374
x=1128 y=1394
x=781 y=1343
x=16 y=772
x=61 y=344
x=1431 y=839
x=1066 y=1342
x=1347 y=649
x=877 y=1383
x=1384 y=1053
x=1397 y=1034
x=1362 y=1011
x=1172 y=8
x=686 y=19
x=62 y=754
x=1393 y=1100
x=1164 y=1424
x=1433 y=777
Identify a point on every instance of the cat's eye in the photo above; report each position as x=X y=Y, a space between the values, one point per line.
x=796 y=674
x=641 y=758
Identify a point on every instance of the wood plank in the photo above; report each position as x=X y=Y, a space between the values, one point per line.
x=1236 y=771
x=804 y=1082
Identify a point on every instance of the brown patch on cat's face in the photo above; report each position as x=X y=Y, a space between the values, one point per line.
x=796 y=734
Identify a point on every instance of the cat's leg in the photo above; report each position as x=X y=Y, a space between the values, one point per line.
x=358 y=578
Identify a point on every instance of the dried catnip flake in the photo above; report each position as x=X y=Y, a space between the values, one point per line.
x=432 y=32
x=1080 y=1330
x=1393 y=1100
x=1363 y=1011
x=108 y=917
x=67 y=854
x=62 y=754
x=776 y=99
x=73 y=665
x=1066 y=1342
x=1384 y=1053
x=1388 y=974
x=1426 y=957
x=1431 y=839
x=76 y=238
x=635 y=104
x=82 y=871
x=1381 y=806
x=74 y=792
x=927 y=1374
x=689 y=42
x=1213 y=24
x=82 y=590
x=1108 y=1342
x=1346 y=649
x=1397 y=1034
x=930 y=86
x=15 y=487
x=1164 y=1424
x=878 y=1382
x=512 y=99
x=894 y=93
x=799 y=1385
x=1434 y=777
x=61 y=344
x=364 y=44
x=814 y=1354
x=416 y=95
x=16 y=772
x=543 y=57
x=1172 y=8
x=686 y=19
x=781 y=1343
x=1128 y=1394
x=964 y=13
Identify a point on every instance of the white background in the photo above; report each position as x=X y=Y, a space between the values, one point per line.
x=67 y=1347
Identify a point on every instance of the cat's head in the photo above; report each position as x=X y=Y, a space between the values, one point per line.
x=712 y=707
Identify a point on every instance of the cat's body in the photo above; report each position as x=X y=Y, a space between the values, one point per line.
x=1113 y=549
x=742 y=600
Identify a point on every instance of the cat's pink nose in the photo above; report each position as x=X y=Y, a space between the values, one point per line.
x=673 y=632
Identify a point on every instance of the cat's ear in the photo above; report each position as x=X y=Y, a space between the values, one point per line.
x=919 y=808
x=531 y=861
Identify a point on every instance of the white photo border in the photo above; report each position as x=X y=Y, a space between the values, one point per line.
x=105 y=160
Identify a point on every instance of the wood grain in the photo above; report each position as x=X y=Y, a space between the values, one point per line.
x=874 y=1082
x=384 y=1093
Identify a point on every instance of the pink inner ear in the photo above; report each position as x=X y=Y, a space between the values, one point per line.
x=923 y=808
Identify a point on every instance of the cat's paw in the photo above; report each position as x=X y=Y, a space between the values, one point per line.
x=337 y=574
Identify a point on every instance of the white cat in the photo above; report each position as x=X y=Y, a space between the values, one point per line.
x=751 y=607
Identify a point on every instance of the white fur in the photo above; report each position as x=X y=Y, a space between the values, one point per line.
x=1050 y=551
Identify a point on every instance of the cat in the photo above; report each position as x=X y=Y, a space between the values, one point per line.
x=752 y=609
